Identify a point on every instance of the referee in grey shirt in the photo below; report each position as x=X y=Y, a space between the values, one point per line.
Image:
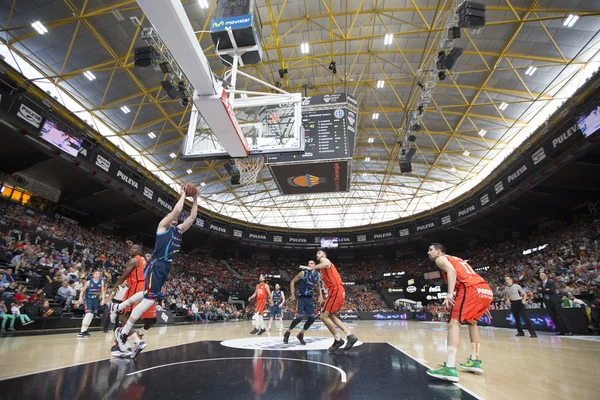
x=517 y=297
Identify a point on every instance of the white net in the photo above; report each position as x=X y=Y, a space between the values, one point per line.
x=249 y=168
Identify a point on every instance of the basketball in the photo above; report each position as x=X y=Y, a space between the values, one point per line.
x=190 y=189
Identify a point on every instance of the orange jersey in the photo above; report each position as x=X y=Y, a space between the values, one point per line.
x=261 y=292
x=331 y=277
x=464 y=272
x=137 y=274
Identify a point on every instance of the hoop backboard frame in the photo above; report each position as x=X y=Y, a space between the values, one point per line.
x=265 y=135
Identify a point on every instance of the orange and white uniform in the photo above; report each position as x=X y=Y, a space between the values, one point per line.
x=473 y=294
x=335 y=289
x=135 y=283
x=261 y=298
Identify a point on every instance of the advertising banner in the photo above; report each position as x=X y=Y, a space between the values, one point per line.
x=27 y=111
x=218 y=227
x=425 y=225
x=519 y=172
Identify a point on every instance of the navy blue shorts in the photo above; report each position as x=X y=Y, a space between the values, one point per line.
x=92 y=305
x=155 y=277
x=306 y=307
x=275 y=311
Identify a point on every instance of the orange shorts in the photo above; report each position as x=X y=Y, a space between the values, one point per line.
x=131 y=290
x=335 y=300
x=149 y=313
x=471 y=302
x=260 y=306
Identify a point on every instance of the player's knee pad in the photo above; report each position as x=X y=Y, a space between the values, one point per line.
x=88 y=318
x=141 y=308
x=308 y=323
x=149 y=322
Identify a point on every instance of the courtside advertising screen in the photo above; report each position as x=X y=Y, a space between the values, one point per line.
x=329 y=242
x=53 y=134
x=589 y=123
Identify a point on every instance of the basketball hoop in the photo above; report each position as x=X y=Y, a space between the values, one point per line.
x=249 y=168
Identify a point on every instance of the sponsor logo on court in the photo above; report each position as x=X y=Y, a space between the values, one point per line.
x=30 y=116
x=102 y=162
x=276 y=343
x=538 y=156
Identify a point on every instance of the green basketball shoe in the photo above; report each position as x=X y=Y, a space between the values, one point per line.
x=475 y=366
x=444 y=373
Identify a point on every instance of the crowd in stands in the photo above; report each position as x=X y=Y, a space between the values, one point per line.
x=49 y=260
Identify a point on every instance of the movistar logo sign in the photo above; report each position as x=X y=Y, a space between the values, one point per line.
x=233 y=22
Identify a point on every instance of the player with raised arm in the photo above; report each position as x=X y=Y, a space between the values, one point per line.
x=334 y=301
x=167 y=245
x=308 y=281
x=472 y=299
x=262 y=292
x=277 y=301
x=93 y=290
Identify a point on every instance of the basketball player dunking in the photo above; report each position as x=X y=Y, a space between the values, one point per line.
x=167 y=245
x=473 y=297
x=334 y=301
x=133 y=274
x=308 y=281
x=277 y=301
x=93 y=290
x=261 y=293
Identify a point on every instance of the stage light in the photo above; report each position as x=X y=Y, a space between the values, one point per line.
x=89 y=75
x=570 y=20
x=371 y=140
x=503 y=106
x=367 y=159
x=165 y=67
x=189 y=171
x=375 y=116
x=482 y=132
x=170 y=89
x=304 y=49
x=466 y=153
x=282 y=72
x=125 y=109
x=172 y=155
x=380 y=84
x=531 y=70
x=39 y=27
x=387 y=40
x=152 y=135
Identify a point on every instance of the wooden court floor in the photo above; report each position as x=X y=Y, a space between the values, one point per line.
x=549 y=367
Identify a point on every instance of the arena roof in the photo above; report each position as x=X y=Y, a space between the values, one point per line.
x=453 y=155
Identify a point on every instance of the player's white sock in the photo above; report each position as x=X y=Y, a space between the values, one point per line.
x=85 y=324
x=260 y=322
x=337 y=337
x=127 y=328
x=475 y=351
x=451 y=362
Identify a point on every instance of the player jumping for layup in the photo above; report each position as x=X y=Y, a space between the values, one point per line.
x=334 y=302
x=261 y=293
x=168 y=243
x=308 y=281
x=473 y=296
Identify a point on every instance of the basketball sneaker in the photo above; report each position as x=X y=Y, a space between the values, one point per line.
x=475 y=366
x=254 y=331
x=336 y=345
x=262 y=331
x=80 y=335
x=300 y=338
x=351 y=341
x=141 y=345
x=121 y=339
x=115 y=352
x=86 y=335
x=286 y=337
x=444 y=373
x=114 y=311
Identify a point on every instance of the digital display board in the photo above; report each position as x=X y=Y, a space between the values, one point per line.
x=589 y=123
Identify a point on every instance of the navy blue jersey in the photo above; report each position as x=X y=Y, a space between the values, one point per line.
x=167 y=244
x=307 y=285
x=277 y=297
x=93 y=289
